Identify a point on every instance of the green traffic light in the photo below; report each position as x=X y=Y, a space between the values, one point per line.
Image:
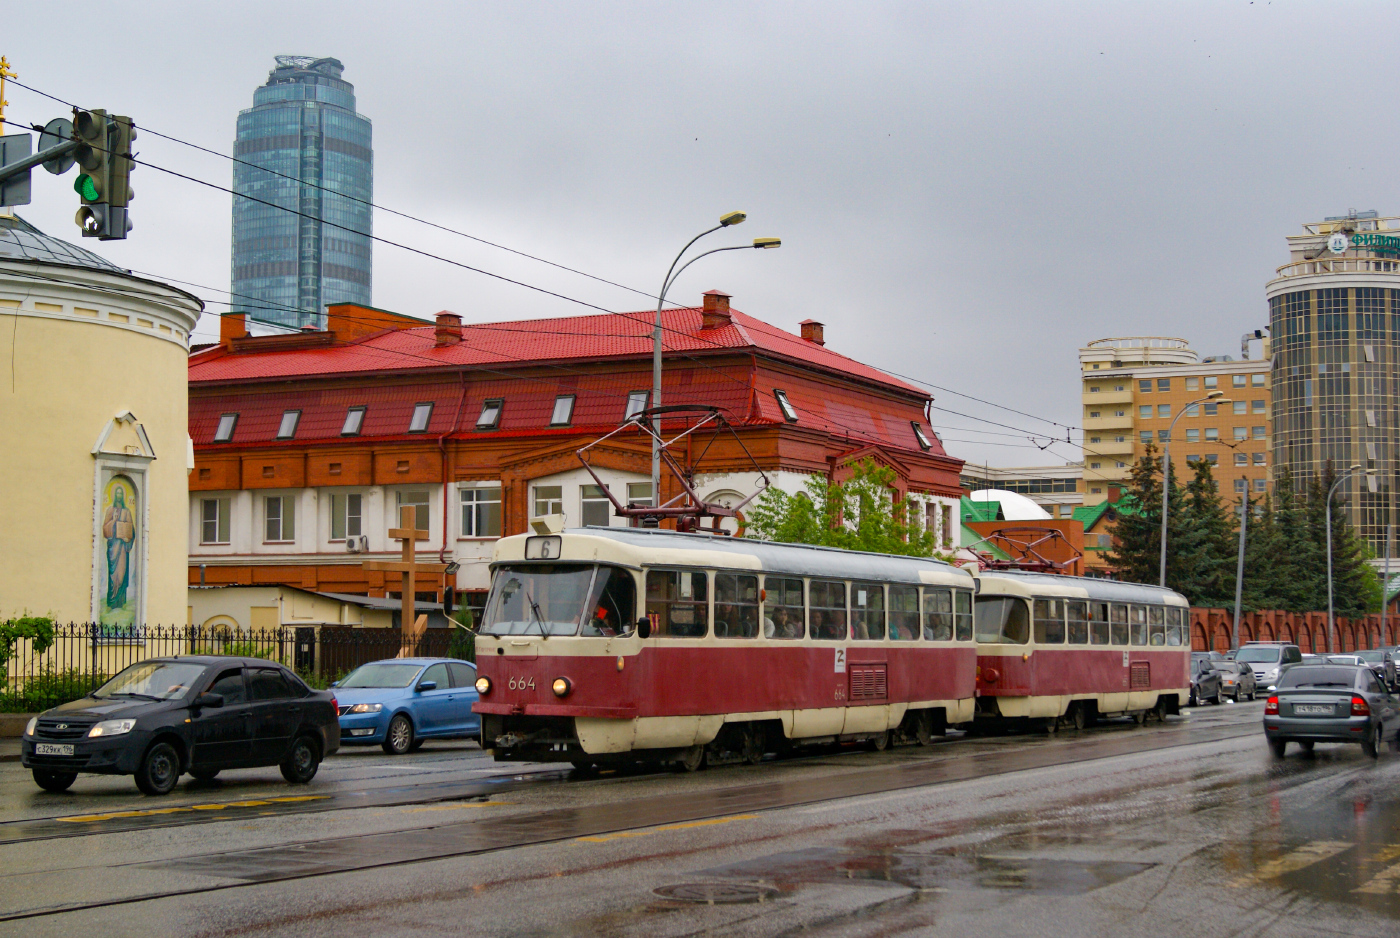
x=85 y=187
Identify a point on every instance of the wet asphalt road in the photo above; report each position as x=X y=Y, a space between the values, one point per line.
x=1182 y=829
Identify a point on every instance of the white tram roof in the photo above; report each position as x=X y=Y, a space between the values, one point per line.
x=1025 y=583
x=669 y=548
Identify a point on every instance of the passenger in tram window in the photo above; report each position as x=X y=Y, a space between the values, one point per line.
x=1176 y=626
x=1118 y=623
x=828 y=608
x=614 y=603
x=904 y=613
x=867 y=611
x=1077 y=622
x=1156 y=626
x=1049 y=622
x=736 y=605
x=1098 y=623
x=1139 y=620
x=678 y=602
x=938 y=615
x=782 y=605
x=962 y=615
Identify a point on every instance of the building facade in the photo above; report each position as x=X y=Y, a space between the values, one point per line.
x=307 y=446
x=1057 y=489
x=1334 y=312
x=287 y=267
x=93 y=429
x=1134 y=388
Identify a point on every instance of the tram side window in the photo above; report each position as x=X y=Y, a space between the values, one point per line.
x=938 y=615
x=1155 y=626
x=1138 y=618
x=1098 y=623
x=827 y=606
x=1118 y=624
x=867 y=611
x=962 y=615
x=1176 y=626
x=612 y=608
x=782 y=607
x=1002 y=620
x=678 y=603
x=904 y=613
x=1049 y=621
x=736 y=605
x=1077 y=622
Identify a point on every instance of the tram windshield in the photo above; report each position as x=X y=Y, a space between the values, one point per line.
x=1002 y=620
x=556 y=599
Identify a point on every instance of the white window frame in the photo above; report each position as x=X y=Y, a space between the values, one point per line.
x=284 y=516
x=222 y=528
x=552 y=504
x=346 y=517
x=585 y=501
x=470 y=509
x=633 y=499
x=423 y=511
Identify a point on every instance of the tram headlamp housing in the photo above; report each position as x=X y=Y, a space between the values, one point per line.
x=483 y=686
x=561 y=686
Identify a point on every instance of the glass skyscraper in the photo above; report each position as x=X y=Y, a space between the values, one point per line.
x=288 y=267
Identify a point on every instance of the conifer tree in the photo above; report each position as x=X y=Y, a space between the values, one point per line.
x=1263 y=552
x=1201 y=564
x=1355 y=586
x=1138 y=535
x=1301 y=566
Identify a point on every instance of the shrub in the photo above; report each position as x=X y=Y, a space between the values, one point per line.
x=49 y=688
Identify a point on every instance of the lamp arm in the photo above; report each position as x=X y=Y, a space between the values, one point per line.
x=671 y=278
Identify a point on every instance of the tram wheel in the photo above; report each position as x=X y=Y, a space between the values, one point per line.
x=752 y=751
x=1076 y=717
x=881 y=742
x=692 y=761
x=1161 y=710
x=923 y=728
x=1139 y=717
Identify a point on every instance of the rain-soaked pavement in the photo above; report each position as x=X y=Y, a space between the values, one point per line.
x=1182 y=829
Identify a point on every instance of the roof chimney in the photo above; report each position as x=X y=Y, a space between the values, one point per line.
x=813 y=331
x=448 y=331
x=715 y=315
x=232 y=326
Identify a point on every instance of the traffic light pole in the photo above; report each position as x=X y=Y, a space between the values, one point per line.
x=43 y=156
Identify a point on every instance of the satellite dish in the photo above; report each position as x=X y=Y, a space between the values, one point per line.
x=1338 y=243
x=59 y=130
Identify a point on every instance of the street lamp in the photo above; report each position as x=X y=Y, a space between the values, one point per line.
x=1331 y=628
x=1217 y=397
x=725 y=221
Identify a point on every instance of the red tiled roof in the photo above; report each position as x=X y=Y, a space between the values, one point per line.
x=585 y=338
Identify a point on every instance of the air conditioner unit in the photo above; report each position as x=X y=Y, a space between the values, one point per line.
x=352 y=544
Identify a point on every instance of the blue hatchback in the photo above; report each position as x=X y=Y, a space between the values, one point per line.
x=399 y=702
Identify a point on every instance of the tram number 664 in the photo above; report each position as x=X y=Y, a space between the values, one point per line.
x=520 y=683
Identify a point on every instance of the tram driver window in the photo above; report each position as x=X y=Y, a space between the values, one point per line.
x=1156 y=627
x=1002 y=620
x=782 y=608
x=1077 y=622
x=678 y=603
x=612 y=607
x=962 y=615
x=867 y=611
x=827 y=599
x=1118 y=624
x=1098 y=623
x=938 y=615
x=736 y=605
x=1049 y=621
x=904 y=613
x=1176 y=626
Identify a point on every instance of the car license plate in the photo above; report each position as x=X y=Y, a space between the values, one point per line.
x=1313 y=708
x=53 y=749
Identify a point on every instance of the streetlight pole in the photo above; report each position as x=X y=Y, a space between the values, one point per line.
x=1239 y=566
x=1331 y=626
x=1215 y=396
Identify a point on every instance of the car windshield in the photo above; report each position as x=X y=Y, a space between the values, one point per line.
x=1343 y=659
x=537 y=599
x=381 y=675
x=1372 y=657
x=1259 y=655
x=153 y=680
x=1305 y=676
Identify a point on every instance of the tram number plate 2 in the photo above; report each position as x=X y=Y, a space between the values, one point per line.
x=521 y=683
x=840 y=661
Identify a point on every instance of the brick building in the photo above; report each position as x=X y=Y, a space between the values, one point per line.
x=308 y=444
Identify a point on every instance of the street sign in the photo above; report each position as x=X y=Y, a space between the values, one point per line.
x=15 y=189
x=59 y=130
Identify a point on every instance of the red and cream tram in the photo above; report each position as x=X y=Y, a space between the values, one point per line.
x=623 y=644
x=1074 y=648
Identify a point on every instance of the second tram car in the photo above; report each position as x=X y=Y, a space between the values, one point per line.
x=1071 y=649
x=624 y=644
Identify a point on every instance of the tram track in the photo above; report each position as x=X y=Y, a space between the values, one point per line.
x=229 y=870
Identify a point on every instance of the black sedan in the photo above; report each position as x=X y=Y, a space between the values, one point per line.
x=1206 y=681
x=1331 y=703
x=163 y=717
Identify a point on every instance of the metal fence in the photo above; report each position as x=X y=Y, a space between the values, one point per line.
x=83 y=656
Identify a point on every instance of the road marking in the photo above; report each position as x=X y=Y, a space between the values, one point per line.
x=604 y=838
x=1387 y=881
x=154 y=812
x=1302 y=858
x=465 y=804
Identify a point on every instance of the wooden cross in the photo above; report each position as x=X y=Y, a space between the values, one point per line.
x=409 y=566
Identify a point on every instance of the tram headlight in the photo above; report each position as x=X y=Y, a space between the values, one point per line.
x=483 y=686
x=561 y=686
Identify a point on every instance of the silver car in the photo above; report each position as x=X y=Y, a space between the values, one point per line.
x=1331 y=703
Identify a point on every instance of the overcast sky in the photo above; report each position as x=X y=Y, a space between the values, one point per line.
x=966 y=193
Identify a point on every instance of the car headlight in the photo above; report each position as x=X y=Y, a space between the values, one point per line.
x=483 y=685
x=365 y=708
x=561 y=686
x=29 y=727
x=112 y=728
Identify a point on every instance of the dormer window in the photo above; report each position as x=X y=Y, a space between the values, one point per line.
x=636 y=403
x=225 y=431
x=923 y=440
x=422 y=413
x=490 y=416
x=563 y=411
x=785 y=405
x=288 y=427
x=354 y=420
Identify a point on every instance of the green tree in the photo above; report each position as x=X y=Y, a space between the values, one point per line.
x=1300 y=566
x=1136 y=556
x=1201 y=562
x=1355 y=587
x=1264 y=586
x=862 y=513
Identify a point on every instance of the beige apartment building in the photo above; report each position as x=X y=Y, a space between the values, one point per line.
x=1135 y=387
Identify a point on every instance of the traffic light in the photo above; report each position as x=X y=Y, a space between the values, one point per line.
x=104 y=154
